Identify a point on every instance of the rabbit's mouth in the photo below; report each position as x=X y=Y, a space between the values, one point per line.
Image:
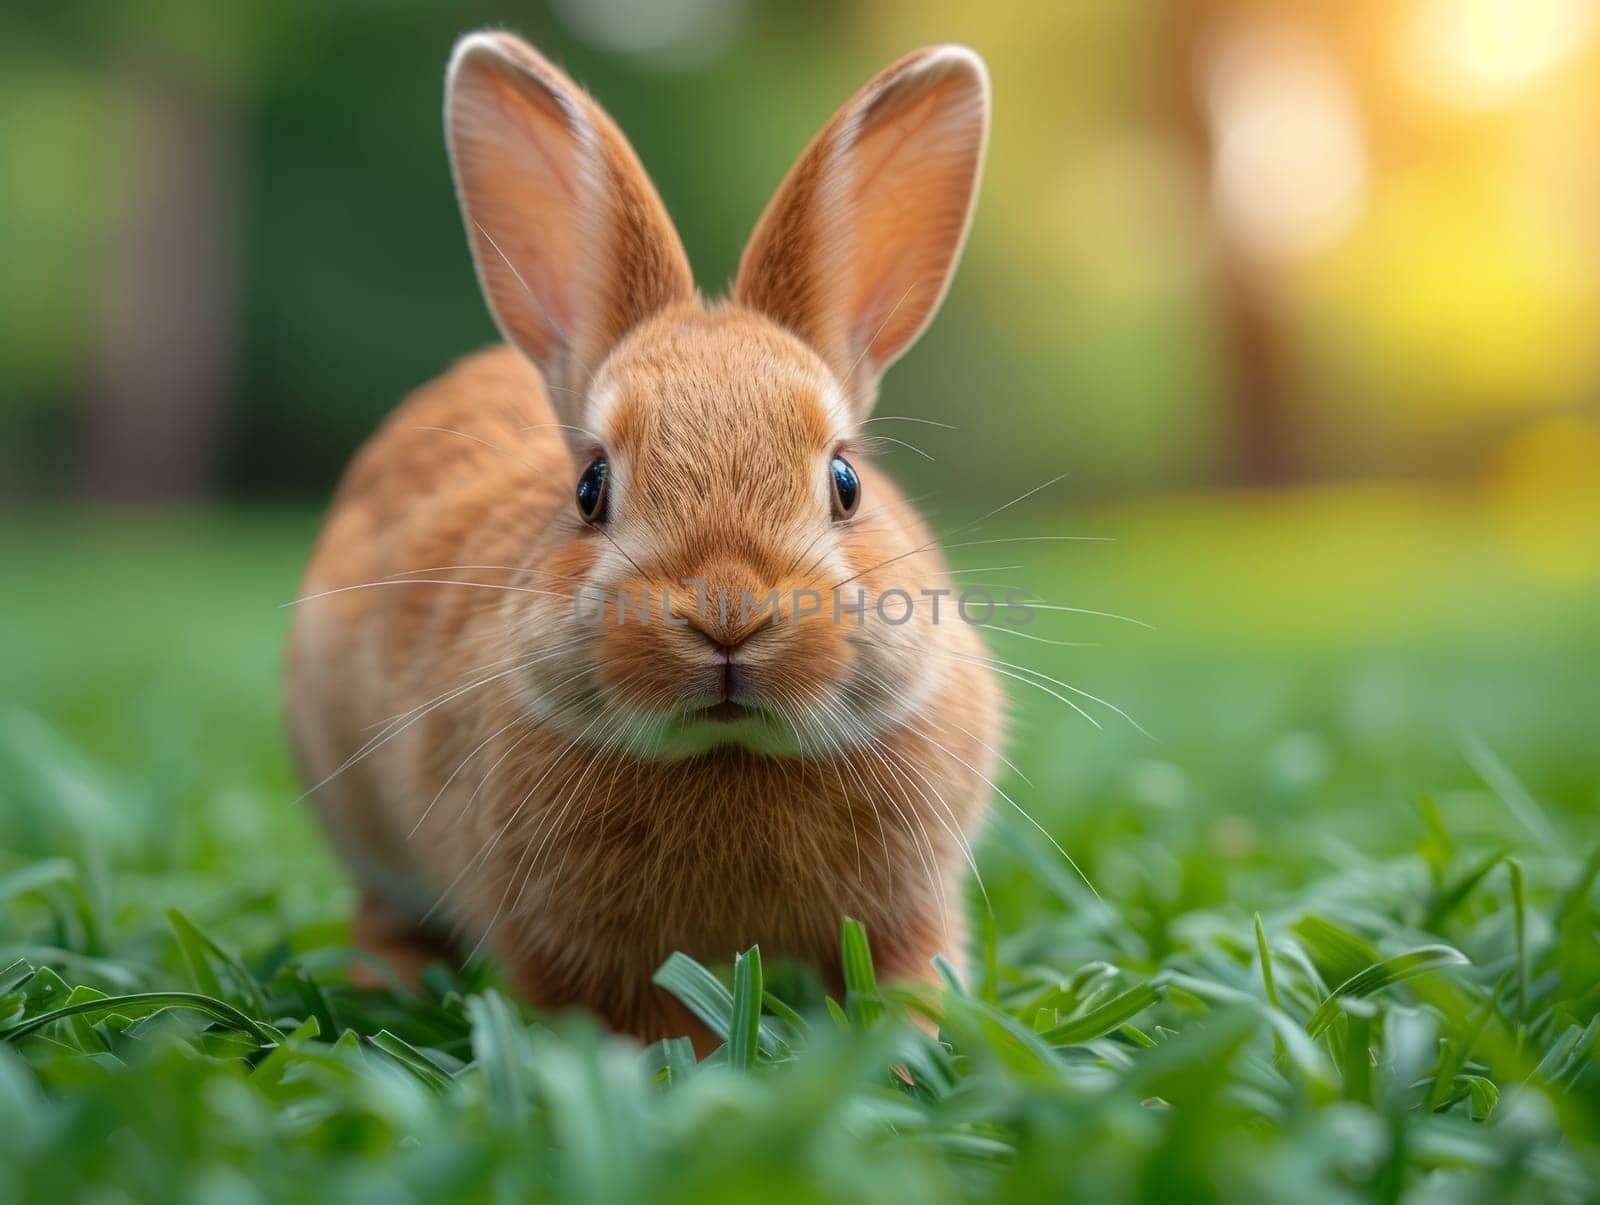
x=722 y=724
x=726 y=712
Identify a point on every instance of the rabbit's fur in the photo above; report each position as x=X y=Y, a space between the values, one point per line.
x=489 y=764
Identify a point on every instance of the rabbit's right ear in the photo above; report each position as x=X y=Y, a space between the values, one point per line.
x=857 y=248
x=572 y=244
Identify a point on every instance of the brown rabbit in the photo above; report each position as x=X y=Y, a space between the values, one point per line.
x=525 y=685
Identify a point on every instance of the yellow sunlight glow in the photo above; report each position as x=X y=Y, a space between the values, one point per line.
x=1477 y=53
x=1290 y=169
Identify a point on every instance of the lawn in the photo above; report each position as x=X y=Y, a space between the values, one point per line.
x=1335 y=936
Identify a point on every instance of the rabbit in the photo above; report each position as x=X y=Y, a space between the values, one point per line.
x=522 y=700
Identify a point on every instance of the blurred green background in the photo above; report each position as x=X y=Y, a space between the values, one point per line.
x=1302 y=299
x=1299 y=298
x=1221 y=242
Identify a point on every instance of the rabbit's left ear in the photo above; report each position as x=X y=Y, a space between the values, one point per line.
x=572 y=244
x=856 y=250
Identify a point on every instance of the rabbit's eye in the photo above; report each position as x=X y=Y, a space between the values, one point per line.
x=593 y=502
x=846 y=487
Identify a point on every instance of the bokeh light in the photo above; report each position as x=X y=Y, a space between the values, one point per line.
x=1290 y=170
x=1481 y=52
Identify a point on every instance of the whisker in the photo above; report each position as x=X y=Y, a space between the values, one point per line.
x=1033 y=540
x=544 y=653
x=953 y=827
x=835 y=758
x=601 y=529
x=564 y=426
x=994 y=663
x=906 y=418
x=870 y=441
x=970 y=735
x=1037 y=604
x=1044 y=606
x=963 y=570
x=541 y=309
x=601 y=714
x=1072 y=862
x=422 y=581
x=846 y=721
x=1039 y=686
x=476 y=669
x=850 y=813
x=1063 y=644
x=462 y=765
x=490 y=444
x=487 y=851
x=935 y=542
x=549 y=822
x=383 y=738
x=556 y=810
x=882 y=326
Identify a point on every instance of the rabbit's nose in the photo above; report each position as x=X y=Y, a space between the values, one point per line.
x=724 y=635
x=726 y=603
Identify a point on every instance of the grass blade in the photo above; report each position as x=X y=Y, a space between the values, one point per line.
x=674 y=1057
x=199 y=947
x=138 y=1004
x=1380 y=975
x=1358 y=1048
x=1266 y=964
x=744 y=1034
x=1519 y=928
x=36 y=877
x=1457 y=1053
x=412 y=1059
x=1337 y=952
x=701 y=992
x=1512 y=793
x=496 y=1046
x=1451 y=897
x=862 y=999
x=1098 y=1022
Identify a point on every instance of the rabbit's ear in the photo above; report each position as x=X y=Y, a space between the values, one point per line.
x=856 y=250
x=572 y=244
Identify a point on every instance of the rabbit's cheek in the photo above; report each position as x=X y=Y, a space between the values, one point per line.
x=641 y=666
x=810 y=659
x=894 y=674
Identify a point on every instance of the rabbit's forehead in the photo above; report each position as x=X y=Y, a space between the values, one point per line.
x=708 y=406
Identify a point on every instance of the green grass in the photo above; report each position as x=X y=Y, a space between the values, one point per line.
x=1344 y=945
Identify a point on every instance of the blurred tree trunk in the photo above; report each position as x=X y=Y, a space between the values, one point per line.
x=1251 y=322
x=159 y=385
x=1256 y=346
